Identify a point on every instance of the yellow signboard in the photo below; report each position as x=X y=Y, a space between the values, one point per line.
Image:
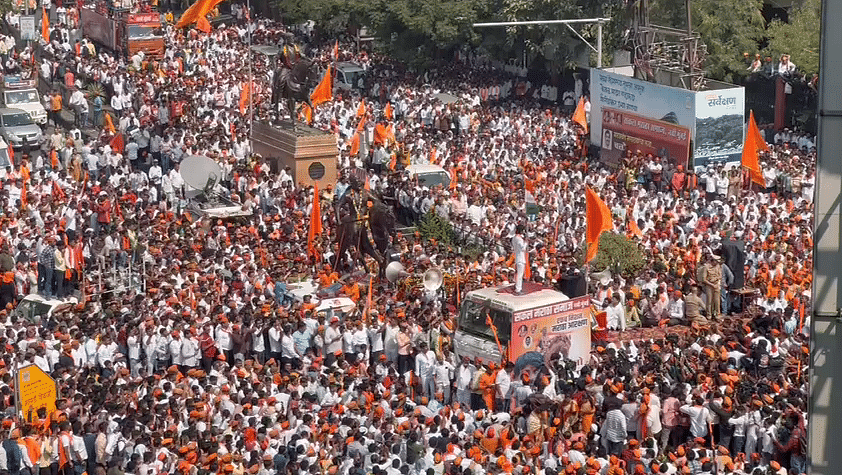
x=35 y=389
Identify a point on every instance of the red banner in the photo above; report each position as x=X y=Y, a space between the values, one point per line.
x=624 y=133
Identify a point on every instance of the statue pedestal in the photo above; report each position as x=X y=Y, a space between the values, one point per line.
x=309 y=153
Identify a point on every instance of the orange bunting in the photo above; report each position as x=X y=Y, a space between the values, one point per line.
x=579 y=116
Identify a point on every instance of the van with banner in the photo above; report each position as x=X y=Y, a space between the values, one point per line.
x=529 y=329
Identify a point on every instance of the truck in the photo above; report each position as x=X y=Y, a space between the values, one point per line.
x=122 y=31
x=529 y=329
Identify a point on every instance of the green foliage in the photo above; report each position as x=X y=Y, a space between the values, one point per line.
x=555 y=46
x=619 y=254
x=433 y=226
x=799 y=38
x=729 y=29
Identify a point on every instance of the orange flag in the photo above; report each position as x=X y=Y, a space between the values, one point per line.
x=109 y=124
x=336 y=51
x=355 y=145
x=368 y=298
x=307 y=113
x=361 y=110
x=315 y=222
x=202 y=24
x=324 y=91
x=579 y=116
x=758 y=137
x=387 y=111
x=634 y=229
x=11 y=155
x=361 y=125
x=117 y=143
x=23 y=194
x=45 y=24
x=433 y=159
x=196 y=11
x=750 y=149
x=244 y=97
x=598 y=218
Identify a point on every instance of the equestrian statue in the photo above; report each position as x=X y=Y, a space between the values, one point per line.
x=293 y=81
x=365 y=227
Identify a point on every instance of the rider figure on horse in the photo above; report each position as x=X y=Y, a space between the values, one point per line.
x=290 y=54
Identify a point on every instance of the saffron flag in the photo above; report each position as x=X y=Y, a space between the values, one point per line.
x=368 y=298
x=361 y=125
x=336 y=51
x=355 y=145
x=196 y=11
x=323 y=92
x=387 y=111
x=245 y=91
x=315 y=222
x=758 y=137
x=307 y=113
x=750 y=149
x=598 y=219
x=109 y=124
x=117 y=143
x=45 y=24
x=361 y=110
x=202 y=24
x=579 y=116
x=634 y=229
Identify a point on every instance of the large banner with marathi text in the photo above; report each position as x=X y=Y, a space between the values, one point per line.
x=624 y=131
x=714 y=118
x=561 y=328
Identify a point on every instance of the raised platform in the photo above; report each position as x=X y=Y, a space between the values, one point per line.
x=309 y=152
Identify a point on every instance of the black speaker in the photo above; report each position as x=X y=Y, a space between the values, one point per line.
x=572 y=284
x=734 y=256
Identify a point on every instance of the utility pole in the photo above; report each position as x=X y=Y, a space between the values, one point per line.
x=599 y=22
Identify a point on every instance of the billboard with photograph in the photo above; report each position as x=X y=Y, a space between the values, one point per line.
x=562 y=328
x=625 y=131
x=615 y=91
x=720 y=126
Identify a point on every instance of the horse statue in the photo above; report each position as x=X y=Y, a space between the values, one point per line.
x=366 y=224
x=293 y=81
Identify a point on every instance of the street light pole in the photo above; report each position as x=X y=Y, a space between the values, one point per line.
x=598 y=21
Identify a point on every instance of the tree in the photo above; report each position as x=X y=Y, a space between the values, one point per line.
x=729 y=29
x=799 y=38
x=618 y=254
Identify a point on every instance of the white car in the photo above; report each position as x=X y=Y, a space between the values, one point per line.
x=36 y=309
x=348 y=75
x=27 y=100
x=429 y=175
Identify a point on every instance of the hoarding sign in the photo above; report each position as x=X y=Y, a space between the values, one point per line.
x=557 y=328
x=720 y=126
x=624 y=131
x=615 y=91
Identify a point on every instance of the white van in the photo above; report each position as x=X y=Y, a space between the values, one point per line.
x=21 y=95
x=35 y=309
x=534 y=325
x=348 y=76
x=429 y=175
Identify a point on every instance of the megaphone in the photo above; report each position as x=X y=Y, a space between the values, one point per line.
x=433 y=279
x=603 y=277
x=395 y=271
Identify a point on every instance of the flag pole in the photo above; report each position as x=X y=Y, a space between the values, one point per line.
x=250 y=74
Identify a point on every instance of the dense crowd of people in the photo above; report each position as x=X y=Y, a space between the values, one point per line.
x=211 y=365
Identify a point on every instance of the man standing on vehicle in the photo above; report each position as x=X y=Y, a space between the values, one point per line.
x=519 y=248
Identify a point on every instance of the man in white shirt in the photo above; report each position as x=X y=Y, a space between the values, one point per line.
x=424 y=364
x=519 y=249
x=615 y=315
